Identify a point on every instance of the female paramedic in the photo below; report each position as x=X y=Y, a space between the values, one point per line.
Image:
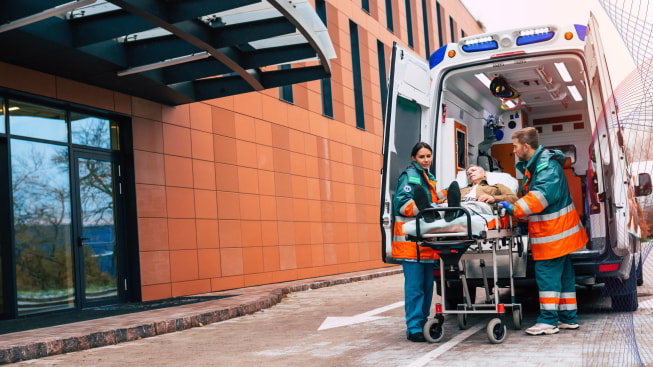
x=415 y=189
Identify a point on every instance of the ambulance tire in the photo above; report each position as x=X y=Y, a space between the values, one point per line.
x=496 y=331
x=626 y=302
x=433 y=331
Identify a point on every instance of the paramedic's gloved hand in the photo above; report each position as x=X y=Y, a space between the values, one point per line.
x=507 y=206
x=434 y=205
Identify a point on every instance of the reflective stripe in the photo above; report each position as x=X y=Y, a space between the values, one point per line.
x=568 y=307
x=567 y=295
x=551 y=216
x=521 y=204
x=567 y=301
x=409 y=209
x=555 y=237
x=551 y=300
x=547 y=294
x=549 y=306
x=542 y=199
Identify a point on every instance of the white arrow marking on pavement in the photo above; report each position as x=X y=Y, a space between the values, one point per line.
x=333 y=322
x=446 y=346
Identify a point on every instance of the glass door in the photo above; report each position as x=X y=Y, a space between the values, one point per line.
x=96 y=194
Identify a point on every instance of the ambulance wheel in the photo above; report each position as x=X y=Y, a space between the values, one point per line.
x=496 y=331
x=433 y=331
x=462 y=318
x=516 y=317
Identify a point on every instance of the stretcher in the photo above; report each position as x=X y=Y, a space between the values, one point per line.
x=473 y=235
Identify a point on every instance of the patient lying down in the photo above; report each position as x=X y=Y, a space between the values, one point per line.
x=476 y=196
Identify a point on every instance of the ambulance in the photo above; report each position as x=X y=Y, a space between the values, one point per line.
x=561 y=87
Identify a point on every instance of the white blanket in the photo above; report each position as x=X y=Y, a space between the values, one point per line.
x=459 y=224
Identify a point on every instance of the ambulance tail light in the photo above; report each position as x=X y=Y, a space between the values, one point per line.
x=608 y=267
x=536 y=35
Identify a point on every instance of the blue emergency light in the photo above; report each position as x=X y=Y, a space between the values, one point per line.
x=482 y=46
x=534 y=38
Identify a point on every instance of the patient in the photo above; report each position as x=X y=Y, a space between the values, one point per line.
x=479 y=190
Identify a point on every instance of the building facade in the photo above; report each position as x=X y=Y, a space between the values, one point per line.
x=109 y=197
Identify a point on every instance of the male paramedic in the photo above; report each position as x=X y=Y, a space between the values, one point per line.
x=554 y=230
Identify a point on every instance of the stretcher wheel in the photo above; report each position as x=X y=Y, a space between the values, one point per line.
x=433 y=331
x=516 y=317
x=462 y=318
x=496 y=331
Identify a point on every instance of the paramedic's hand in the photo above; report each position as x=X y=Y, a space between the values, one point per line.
x=434 y=205
x=486 y=198
x=507 y=206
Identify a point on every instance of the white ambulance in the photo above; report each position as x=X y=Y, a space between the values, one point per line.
x=564 y=88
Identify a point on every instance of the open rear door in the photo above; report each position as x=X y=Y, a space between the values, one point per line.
x=609 y=155
x=409 y=99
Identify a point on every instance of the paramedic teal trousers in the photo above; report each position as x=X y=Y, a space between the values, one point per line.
x=418 y=294
x=556 y=283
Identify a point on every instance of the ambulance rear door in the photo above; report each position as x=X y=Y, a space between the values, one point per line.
x=407 y=113
x=608 y=147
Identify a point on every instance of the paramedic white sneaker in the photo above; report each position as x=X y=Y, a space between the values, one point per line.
x=539 y=329
x=564 y=325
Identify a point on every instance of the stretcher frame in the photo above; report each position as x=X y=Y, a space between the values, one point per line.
x=452 y=248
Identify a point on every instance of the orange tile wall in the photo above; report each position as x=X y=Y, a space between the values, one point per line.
x=248 y=190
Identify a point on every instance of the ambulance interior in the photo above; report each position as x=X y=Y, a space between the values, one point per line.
x=551 y=97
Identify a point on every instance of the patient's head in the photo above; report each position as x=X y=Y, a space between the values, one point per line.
x=475 y=174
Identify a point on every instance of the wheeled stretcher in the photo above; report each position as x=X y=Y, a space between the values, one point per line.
x=473 y=235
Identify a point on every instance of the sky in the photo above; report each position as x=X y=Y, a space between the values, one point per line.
x=507 y=14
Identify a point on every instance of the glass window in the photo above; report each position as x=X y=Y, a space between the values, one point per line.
x=407 y=133
x=36 y=121
x=42 y=226
x=439 y=20
x=383 y=82
x=358 y=77
x=452 y=28
x=327 y=100
x=409 y=21
x=2 y=116
x=425 y=20
x=365 y=4
x=388 y=15
x=286 y=90
x=90 y=131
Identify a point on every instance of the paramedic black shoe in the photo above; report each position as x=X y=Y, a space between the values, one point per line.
x=453 y=200
x=564 y=325
x=542 y=329
x=416 y=337
x=422 y=202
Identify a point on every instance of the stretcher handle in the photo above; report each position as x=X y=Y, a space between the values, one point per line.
x=420 y=215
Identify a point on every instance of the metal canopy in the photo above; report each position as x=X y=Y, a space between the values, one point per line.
x=168 y=51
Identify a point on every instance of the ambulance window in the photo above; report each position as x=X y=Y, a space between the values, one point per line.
x=461 y=143
x=599 y=115
x=406 y=135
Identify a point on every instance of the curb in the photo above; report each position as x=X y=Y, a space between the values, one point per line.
x=36 y=350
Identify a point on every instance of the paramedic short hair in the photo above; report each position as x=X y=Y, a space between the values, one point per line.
x=527 y=135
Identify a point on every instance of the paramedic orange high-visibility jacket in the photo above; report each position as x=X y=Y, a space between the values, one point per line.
x=405 y=210
x=554 y=226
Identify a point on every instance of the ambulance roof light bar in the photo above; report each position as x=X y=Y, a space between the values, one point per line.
x=535 y=35
x=480 y=44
